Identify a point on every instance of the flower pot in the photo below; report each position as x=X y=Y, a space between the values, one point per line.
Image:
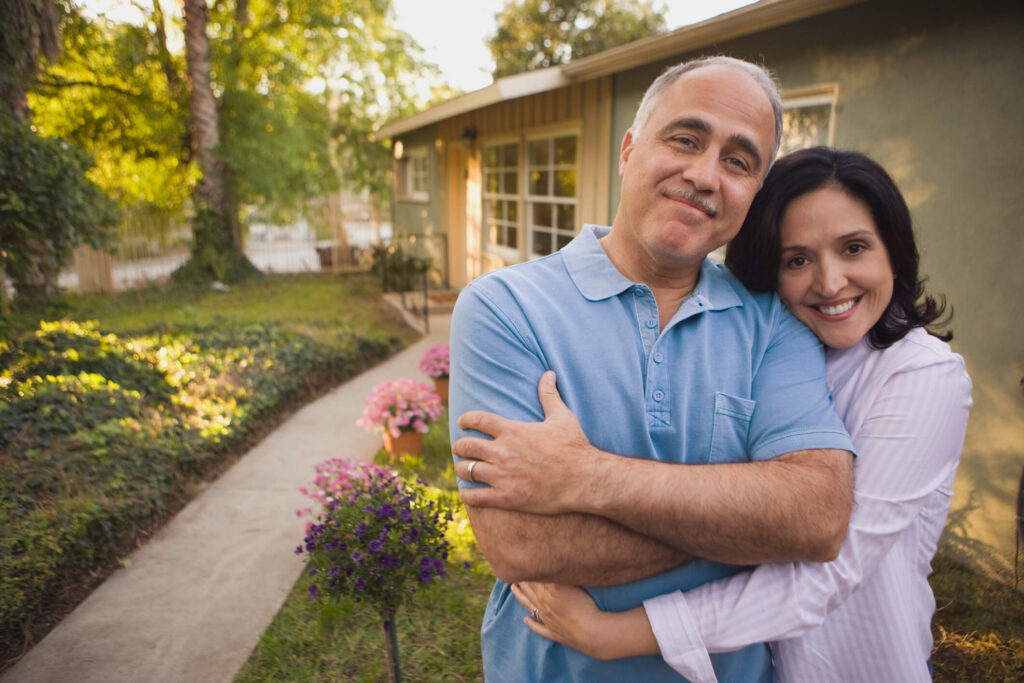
x=441 y=387
x=408 y=442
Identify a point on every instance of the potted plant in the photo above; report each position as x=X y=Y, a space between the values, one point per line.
x=403 y=410
x=376 y=539
x=434 y=363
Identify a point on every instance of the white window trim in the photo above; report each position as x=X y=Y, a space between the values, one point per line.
x=406 y=168
x=813 y=96
x=524 y=252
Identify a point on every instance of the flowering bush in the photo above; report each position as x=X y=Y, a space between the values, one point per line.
x=377 y=538
x=434 y=362
x=401 y=405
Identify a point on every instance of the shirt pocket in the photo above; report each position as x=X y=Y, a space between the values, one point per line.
x=730 y=428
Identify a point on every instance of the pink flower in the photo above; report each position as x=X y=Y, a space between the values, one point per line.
x=434 y=362
x=395 y=405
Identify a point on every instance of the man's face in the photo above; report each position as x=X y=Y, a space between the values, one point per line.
x=689 y=175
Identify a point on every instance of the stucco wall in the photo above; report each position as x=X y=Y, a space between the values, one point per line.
x=932 y=90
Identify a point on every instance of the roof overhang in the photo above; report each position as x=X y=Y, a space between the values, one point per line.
x=746 y=20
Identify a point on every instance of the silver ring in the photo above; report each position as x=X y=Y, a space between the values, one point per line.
x=469 y=472
x=536 y=616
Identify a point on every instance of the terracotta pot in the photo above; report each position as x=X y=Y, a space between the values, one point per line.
x=441 y=387
x=408 y=442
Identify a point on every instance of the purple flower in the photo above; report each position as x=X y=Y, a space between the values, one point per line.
x=298 y=550
x=368 y=508
x=334 y=571
x=313 y=590
x=414 y=533
x=426 y=562
x=360 y=583
x=386 y=510
x=375 y=546
x=406 y=515
x=357 y=556
x=467 y=565
x=361 y=530
x=312 y=572
x=426 y=576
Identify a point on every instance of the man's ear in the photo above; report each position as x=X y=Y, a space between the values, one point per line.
x=627 y=149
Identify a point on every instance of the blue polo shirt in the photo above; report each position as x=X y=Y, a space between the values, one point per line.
x=733 y=377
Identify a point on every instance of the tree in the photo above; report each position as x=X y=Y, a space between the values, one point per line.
x=534 y=34
x=47 y=205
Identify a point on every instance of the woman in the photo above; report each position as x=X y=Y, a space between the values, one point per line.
x=830 y=232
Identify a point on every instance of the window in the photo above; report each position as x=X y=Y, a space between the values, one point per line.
x=551 y=195
x=414 y=175
x=501 y=194
x=808 y=117
x=529 y=194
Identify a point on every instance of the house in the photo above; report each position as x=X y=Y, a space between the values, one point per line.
x=931 y=89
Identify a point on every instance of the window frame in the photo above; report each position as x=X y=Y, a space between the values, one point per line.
x=524 y=199
x=407 y=175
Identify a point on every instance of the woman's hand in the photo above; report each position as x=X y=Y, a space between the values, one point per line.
x=568 y=615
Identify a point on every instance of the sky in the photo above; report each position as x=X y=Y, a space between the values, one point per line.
x=452 y=32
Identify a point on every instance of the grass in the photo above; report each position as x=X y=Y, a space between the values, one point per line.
x=322 y=307
x=978 y=627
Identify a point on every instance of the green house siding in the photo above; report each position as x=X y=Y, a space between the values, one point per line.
x=932 y=90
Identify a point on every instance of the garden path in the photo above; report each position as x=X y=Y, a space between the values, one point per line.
x=191 y=604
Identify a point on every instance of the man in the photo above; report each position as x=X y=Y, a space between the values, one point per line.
x=662 y=355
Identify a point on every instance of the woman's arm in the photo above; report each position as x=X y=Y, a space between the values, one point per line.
x=908 y=444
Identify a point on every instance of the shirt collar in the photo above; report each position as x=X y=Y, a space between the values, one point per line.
x=597 y=278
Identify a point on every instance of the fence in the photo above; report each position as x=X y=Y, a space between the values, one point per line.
x=151 y=246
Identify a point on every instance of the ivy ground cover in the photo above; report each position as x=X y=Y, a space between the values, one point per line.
x=114 y=410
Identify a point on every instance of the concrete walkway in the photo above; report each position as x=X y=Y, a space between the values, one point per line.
x=191 y=604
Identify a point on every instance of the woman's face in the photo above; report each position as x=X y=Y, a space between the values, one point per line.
x=835 y=274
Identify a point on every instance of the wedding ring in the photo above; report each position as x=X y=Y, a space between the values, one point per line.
x=536 y=616
x=469 y=472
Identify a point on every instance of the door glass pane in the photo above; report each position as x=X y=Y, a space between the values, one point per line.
x=542 y=215
x=492 y=156
x=567 y=217
x=565 y=150
x=541 y=243
x=511 y=155
x=513 y=211
x=564 y=240
x=513 y=237
x=511 y=184
x=491 y=182
x=565 y=184
x=539 y=153
x=539 y=181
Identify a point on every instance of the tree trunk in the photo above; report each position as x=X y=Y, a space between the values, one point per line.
x=203 y=110
x=216 y=248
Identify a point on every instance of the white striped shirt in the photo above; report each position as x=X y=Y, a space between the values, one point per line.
x=906 y=410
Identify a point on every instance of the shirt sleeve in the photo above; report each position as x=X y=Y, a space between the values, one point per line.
x=794 y=409
x=909 y=444
x=495 y=361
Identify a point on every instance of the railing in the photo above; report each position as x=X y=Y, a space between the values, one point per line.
x=406 y=265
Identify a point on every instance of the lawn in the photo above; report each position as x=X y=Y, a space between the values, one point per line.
x=115 y=409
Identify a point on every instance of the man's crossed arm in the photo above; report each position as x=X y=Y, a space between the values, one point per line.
x=558 y=509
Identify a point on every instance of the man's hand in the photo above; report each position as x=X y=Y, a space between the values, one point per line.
x=529 y=466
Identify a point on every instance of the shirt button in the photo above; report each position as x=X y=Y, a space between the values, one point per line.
x=652 y=323
x=658 y=357
x=638 y=292
x=658 y=395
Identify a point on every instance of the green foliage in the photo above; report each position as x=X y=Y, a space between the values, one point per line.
x=47 y=206
x=215 y=257
x=534 y=34
x=101 y=433
x=109 y=94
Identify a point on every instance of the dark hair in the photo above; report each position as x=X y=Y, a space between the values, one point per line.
x=754 y=254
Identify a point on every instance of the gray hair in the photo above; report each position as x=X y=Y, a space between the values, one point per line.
x=762 y=76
